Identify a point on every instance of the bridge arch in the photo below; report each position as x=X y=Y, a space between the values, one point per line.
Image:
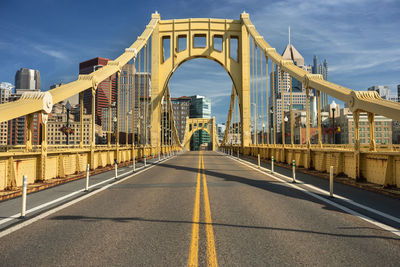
x=197 y=124
x=175 y=42
x=235 y=79
x=187 y=146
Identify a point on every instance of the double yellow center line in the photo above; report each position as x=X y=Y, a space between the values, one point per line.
x=194 y=244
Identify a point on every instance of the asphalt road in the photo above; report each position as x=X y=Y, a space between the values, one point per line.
x=200 y=209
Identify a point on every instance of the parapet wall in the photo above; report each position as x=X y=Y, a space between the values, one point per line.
x=381 y=168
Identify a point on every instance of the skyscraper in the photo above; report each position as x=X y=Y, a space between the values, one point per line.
x=102 y=99
x=181 y=107
x=283 y=83
x=27 y=79
x=200 y=107
x=382 y=90
x=398 y=93
x=5 y=93
x=125 y=98
x=322 y=69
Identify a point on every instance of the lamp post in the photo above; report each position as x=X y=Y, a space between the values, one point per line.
x=127 y=128
x=271 y=111
x=140 y=129
x=284 y=137
x=148 y=130
x=67 y=107
x=334 y=106
x=262 y=136
x=115 y=129
x=138 y=136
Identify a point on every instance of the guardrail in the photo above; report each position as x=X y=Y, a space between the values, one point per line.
x=380 y=167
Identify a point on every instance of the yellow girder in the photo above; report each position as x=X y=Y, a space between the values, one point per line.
x=357 y=100
x=34 y=104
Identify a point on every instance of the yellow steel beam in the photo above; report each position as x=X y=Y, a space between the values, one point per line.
x=357 y=100
x=34 y=102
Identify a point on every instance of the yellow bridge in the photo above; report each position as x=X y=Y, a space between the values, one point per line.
x=162 y=48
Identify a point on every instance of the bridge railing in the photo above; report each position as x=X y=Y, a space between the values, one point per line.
x=71 y=162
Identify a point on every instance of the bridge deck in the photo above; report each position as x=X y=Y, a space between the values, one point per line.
x=255 y=220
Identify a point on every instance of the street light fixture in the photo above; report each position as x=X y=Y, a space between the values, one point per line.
x=334 y=107
x=68 y=108
x=115 y=127
x=285 y=121
x=262 y=136
x=271 y=111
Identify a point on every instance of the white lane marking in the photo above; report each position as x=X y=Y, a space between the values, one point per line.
x=350 y=211
x=16 y=216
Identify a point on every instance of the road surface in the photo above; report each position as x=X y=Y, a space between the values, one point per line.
x=200 y=208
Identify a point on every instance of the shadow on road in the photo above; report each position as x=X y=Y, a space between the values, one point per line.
x=271 y=186
x=139 y=219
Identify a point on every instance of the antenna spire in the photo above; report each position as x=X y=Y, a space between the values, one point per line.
x=289 y=36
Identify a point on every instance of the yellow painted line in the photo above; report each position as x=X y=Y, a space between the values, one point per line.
x=194 y=244
x=211 y=252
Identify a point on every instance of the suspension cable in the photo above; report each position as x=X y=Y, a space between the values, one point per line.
x=139 y=101
x=291 y=110
x=145 y=95
x=127 y=87
x=267 y=99
x=237 y=121
x=148 y=114
x=133 y=101
x=262 y=98
x=274 y=112
x=117 y=106
x=282 y=107
x=109 y=112
x=256 y=93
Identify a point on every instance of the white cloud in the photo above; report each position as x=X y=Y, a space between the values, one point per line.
x=50 y=52
x=356 y=37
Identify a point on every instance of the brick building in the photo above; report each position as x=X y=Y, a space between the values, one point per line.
x=102 y=99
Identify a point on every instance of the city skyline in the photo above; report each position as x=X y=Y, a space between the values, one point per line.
x=56 y=48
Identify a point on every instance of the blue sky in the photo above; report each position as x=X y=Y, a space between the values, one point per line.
x=359 y=38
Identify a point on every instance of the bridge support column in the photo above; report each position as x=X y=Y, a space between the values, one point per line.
x=213 y=134
x=245 y=92
x=93 y=126
x=307 y=163
x=117 y=157
x=156 y=86
x=356 y=118
x=319 y=120
x=29 y=119
x=43 y=155
x=372 y=144
x=11 y=182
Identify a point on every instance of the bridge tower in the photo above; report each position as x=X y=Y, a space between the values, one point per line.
x=174 y=42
